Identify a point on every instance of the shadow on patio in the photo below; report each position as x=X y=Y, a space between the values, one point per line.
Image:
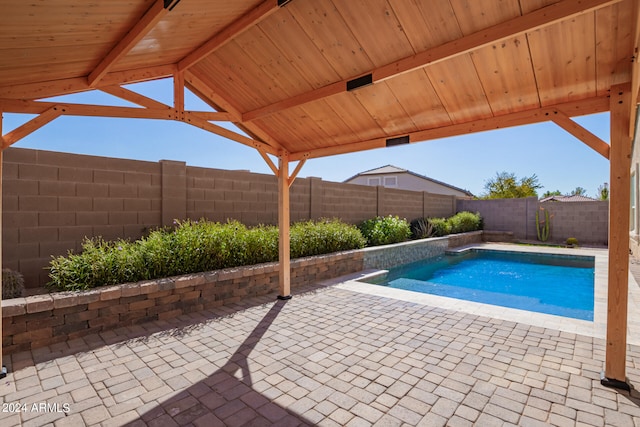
x=227 y=397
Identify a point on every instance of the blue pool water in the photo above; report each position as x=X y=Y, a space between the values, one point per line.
x=561 y=285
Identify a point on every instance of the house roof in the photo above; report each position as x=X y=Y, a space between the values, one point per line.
x=573 y=198
x=316 y=78
x=390 y=169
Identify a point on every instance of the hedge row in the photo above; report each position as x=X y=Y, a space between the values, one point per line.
x=195 y=246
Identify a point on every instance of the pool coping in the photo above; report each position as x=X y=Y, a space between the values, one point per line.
x=596 y=328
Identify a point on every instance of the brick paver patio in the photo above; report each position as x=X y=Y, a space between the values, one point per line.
x=329 y=357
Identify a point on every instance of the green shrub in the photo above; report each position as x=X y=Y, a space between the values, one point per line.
x=572 y=241
x=463 y=222
x=385 y=230
x=324 y=236
x=441 y=227
x=193 y=246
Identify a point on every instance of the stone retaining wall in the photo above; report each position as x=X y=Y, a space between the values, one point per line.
x=42 y=320
x=383 y=257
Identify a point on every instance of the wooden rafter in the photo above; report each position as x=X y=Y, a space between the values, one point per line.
x=200 y=88
x=31 y=126
x=155 y=13
x=538 y=115
x=39 y=90
x=218 y=130
x=134 y=97
x=522 y=24
x=584 y=135
x=248 y=20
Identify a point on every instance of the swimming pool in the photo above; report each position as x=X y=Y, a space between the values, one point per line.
x=546 y=283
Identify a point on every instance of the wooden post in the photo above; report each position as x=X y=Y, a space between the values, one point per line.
x=283 y=224
x=619 y=205
x=3 y=370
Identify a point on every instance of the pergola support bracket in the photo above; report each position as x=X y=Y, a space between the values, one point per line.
x=613 y=383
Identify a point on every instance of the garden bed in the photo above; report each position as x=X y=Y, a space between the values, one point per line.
x=42 y=320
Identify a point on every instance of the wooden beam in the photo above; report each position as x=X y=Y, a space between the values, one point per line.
x=296 y=171
x=270 y=163
x=3 y=370
x=619 y=206
x=581 y=133
x=226 y=133
x=211 y=115
x=540 y=18
x=138 y=75
x=538 y=115
x=236 y=28
x=1 y=144
x=635 y=66
x=134 y=97
x=38 y=107
x=46 y=89
x=155 y=13
x=178 y=91
x=284 y=248
x=31 y=126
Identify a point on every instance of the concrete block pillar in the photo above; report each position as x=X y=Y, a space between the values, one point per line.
x=316 y=199
x=380 y=197
x=174 y=191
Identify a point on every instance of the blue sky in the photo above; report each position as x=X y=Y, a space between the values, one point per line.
x=560 y=161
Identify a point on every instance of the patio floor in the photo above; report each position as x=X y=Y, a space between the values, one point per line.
x=331 y=356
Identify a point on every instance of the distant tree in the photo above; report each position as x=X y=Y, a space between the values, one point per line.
x=552 y=193
x=579 y=191
x=506 y=185
x=603 y=192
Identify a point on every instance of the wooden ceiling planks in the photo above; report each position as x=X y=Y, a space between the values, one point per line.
x=614 y=41
x=383 y=106
x=284 y=31
x=56 y=25
x=283 y=71
x=189 y=25
x=376 y=29
x=325 y=27
x=504 y=68
x=506 y=73
x=415 y=93
x=459 y=88
x=565 y=71
x=427 y=24
x=355 y=116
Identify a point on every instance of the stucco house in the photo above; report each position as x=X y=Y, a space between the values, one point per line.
x=394 y=177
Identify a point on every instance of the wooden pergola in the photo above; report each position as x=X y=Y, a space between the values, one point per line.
x=313 y=78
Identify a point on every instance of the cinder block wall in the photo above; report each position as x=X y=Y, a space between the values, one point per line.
x=586 y=221
x=53 y=200
x=516 y=215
